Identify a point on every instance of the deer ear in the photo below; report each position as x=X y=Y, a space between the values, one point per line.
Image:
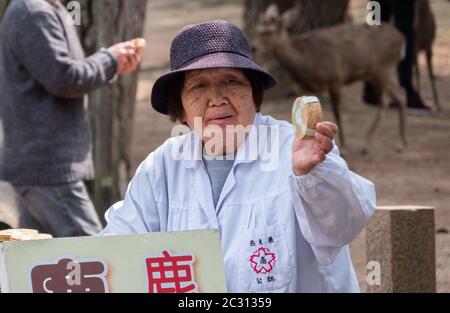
x=272 y=11
x=291 y=16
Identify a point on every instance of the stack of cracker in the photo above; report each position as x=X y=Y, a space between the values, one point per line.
x=22 y=234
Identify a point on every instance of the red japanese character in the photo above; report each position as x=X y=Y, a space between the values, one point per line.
x=171 y=274
x=262 y=260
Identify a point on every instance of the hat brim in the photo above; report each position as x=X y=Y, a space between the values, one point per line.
x=160 y=91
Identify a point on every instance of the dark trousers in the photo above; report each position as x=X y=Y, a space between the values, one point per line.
x=63 y=210
x=403 y=12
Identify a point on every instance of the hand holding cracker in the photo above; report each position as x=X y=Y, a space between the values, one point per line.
x=127 y=56
x=313 y=139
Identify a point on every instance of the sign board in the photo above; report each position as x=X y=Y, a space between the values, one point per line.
x=145 y=263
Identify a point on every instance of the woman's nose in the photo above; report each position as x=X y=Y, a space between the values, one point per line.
x=217 y=96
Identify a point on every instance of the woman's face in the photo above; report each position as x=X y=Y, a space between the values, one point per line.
x=221 y=99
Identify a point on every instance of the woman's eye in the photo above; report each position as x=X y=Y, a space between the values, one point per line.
x=198 y=86
x=231 y=81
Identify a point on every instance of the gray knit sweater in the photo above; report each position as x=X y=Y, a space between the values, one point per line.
x=44 y=77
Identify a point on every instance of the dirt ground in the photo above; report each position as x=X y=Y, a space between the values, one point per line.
x=420 y=175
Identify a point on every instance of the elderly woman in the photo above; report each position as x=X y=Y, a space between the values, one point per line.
x=295 y=201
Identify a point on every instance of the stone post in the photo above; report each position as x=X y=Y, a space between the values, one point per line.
x=402 y=240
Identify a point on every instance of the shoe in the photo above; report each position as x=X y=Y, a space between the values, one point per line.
x=416 y=106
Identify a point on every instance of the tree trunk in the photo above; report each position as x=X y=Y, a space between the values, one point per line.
x=3 y=5
x=313 y=14
x=105 y=23
x=113 y=106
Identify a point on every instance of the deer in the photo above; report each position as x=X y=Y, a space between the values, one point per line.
x=326 y=59
x=425 y=34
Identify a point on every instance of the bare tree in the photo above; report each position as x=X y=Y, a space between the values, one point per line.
x=104 y=23
x=3 y=5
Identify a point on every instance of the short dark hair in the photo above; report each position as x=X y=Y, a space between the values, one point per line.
x=175 y=108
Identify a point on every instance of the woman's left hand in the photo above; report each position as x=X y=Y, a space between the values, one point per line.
x=306 y=154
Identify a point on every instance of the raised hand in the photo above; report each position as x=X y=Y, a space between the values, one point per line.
x=307 y=153
x=126 y=56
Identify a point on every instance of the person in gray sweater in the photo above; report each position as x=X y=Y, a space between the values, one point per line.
x=44 y=79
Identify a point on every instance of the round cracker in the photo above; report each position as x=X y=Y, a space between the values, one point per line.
x=22 y=234
x=139 y=43
x=306 y=113
x=18 y=231
x=26 y=237
x=6 y=235
x=5 y=238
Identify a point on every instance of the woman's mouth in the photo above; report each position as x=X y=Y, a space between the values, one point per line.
x=222 y=120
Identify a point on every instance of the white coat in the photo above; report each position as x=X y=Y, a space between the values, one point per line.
x=301 y=226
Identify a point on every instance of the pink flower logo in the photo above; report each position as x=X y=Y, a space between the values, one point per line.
x=262 y=260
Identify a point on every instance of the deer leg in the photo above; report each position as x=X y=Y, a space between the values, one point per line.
x=335 y=95
x=429 y=56
x=395 y=93
x=417 y=70
x=382 y=108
